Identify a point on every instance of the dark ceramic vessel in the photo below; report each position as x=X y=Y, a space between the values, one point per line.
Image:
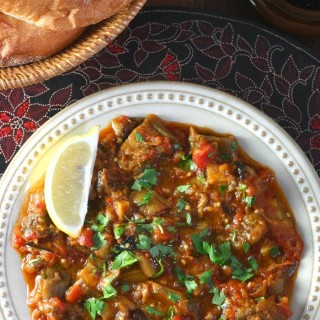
x=290 y=17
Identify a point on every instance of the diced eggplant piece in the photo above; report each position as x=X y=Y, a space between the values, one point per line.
x=51 y=283
x=122 y=126
x=222 y=148
x=150 y=203
x=78 y=291
x=146 y=263
x=111 y=277
x=118 y=308
x=146 y=145
x=137 y=315
x=150 y=291
x=88 y=274
x=252 y=228
x=265 y=309
x=133 y=275
x=56 y=309
x=218 y=174
x=36 y=223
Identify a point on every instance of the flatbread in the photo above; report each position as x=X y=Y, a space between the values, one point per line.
x=62 y=14
x=21 y=43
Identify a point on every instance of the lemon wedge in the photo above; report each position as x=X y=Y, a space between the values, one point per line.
x=68 y=180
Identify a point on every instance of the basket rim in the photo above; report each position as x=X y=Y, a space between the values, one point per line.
x=89 y=43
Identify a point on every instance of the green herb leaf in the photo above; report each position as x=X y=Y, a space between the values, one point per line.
x=206 y=277
x=202 y=178
x=242 y=274
x=191 y=285
x=109 y=291
x=250 y=201
x=160 y=272
x=170 y=313
x=161 y=250
x=119 y=231
x=234 y=145
x=218 y=297
x=125 y=258
x=154 y=311
x=185 y=279
x=145 y=242
x=246 y=247
x=198 y=243
x=188 y=218
x=98 y=240
x=181 y=204
x=94 y=306
x=139 y=137
x=186 y=163
x=146 y=198
x=174 y=296
x=274 y=251
x=183 y=188
x=125 y=288
x=172 y=229
x=253 y=263
x=223 y=188
x=147 y=179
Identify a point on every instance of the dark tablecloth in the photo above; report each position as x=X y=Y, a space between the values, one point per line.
x=269 y=70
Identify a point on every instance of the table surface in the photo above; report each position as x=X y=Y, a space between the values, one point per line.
x=240 y=8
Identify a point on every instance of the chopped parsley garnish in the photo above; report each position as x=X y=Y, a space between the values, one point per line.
x=109 y=291
x=125 y=288
x=94 y=306
x=146 y=198
x=161 y=250
x=160 y=272
x=181 y=204
x=246 y=247
x=234 y=235
x=253 y=263
x=274 y=251
x=183 y=188
x=186 y=280
x=119 y=231
x=170 y=313
x=174 y=296
x=242 y=274
x=125 y=258
x=201 y=178
x=250 y=201
x=98 y=240
x=206 y=277
x=220 y=255
x=223 y=188
x=147 y=179
x=145 y=242
x=218 y=297
x=188 y=218
x=234 y=145
x=186 y=163
x=139 y=137
x=154 y=311
x=172 y=229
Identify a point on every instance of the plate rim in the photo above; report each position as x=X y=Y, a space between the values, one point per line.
x=173 y=88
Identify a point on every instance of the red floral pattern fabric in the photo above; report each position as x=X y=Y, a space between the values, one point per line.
x=272 y=72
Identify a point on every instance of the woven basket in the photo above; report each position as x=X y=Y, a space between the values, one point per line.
x=92 y=41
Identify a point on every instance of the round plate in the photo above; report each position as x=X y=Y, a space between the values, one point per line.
x=258 y=135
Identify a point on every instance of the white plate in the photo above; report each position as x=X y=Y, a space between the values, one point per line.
x=258 y=135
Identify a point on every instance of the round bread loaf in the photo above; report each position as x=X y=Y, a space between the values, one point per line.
x=22 y=43
x=62 y=14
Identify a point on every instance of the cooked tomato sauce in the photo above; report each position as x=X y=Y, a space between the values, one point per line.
x=181 y=225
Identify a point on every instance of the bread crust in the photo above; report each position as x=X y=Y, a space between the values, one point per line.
x=22 y=43
x=62 y=14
